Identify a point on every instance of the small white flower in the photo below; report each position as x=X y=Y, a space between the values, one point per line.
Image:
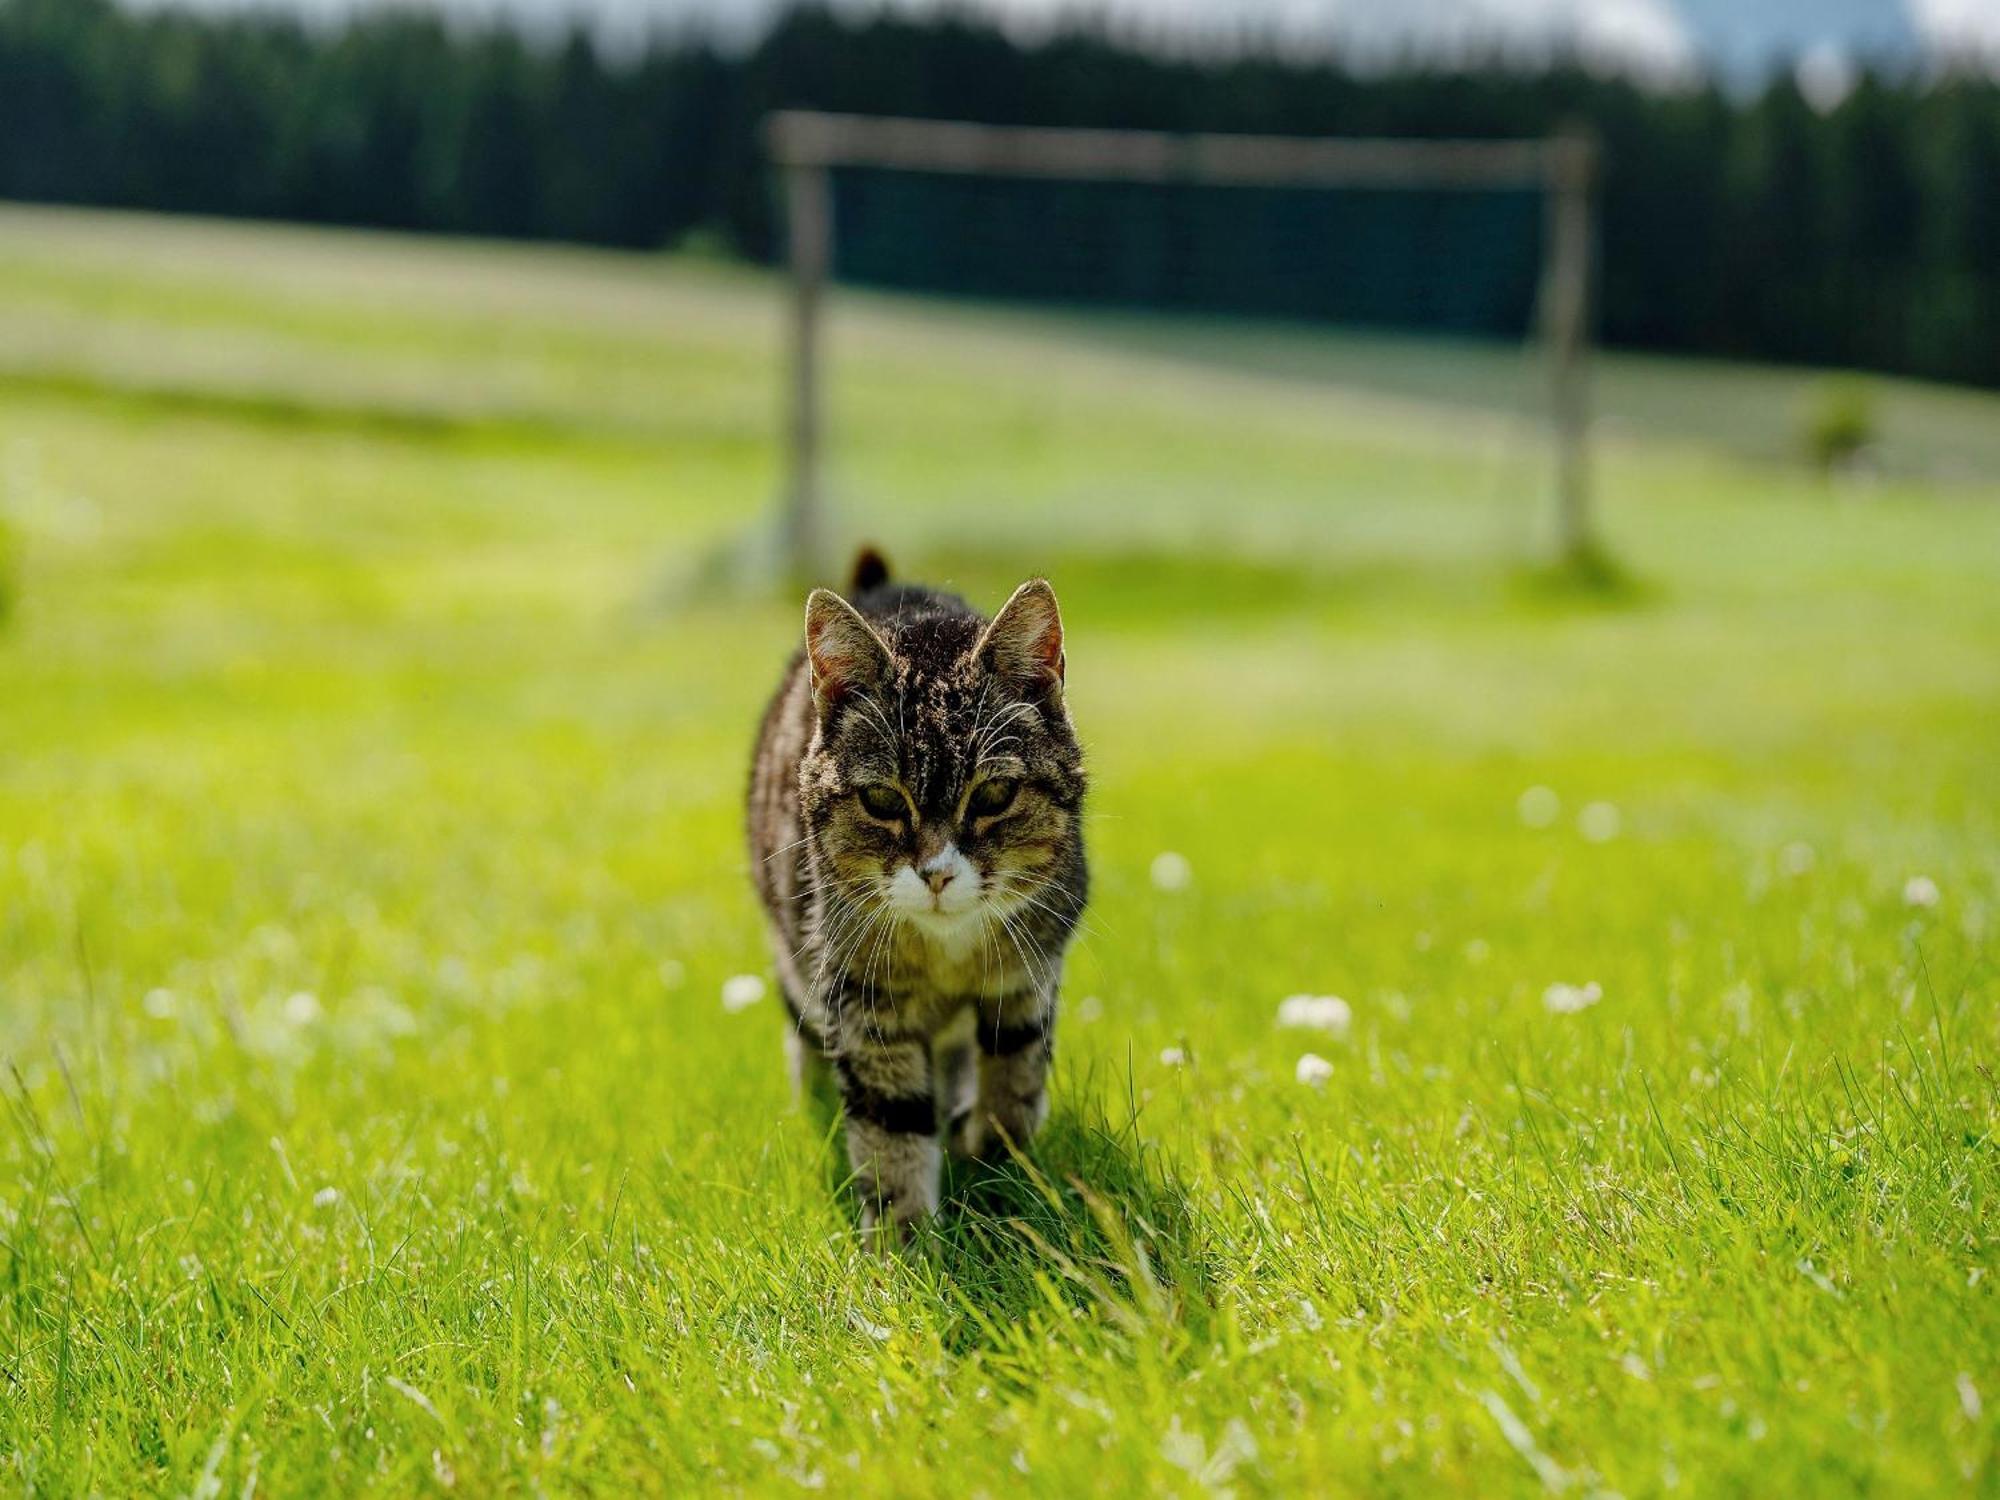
x=1920 y=890
x=1568 y=999
x=1599 y=822
x=1538 y=807
x=1210 y=1471
x=326 y=1197
x=159 y=1004
x=1796 y=858
x=741 y=991
x=1173 y=1057
x=302 y=1008
x=1313 y=1070
x=1328 y=1013
x=867 y=1326
x=1171 y=871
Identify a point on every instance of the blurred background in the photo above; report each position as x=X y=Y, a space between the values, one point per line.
x=355 y=329
x=388 y=392
x=383 y=388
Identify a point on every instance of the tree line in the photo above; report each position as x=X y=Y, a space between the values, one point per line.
x=1866 y=234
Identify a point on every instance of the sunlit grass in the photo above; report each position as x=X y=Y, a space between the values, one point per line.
x=370 y=873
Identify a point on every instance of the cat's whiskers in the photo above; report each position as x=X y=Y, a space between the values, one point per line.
x=1016 y=936
x=872 y=924
x=835 y=883
x=1027 y=889
x=796 y=843
x=833 y=935
x=885 y=933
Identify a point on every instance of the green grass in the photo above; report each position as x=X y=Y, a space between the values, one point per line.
x=370 y=867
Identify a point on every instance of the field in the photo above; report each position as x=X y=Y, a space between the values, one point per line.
x=371 y=751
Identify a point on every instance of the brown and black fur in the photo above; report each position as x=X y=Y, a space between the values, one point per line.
x=937 y=1021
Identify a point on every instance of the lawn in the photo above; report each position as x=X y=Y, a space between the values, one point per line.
x=370 y=872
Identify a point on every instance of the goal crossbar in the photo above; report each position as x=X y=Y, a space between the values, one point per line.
x=803 y=138
x=809 y=145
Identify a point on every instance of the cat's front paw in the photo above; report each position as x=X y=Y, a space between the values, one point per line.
x=965 y=1135
x=985 y=1134
x=889 y=1227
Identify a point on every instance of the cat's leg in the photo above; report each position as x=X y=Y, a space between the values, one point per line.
x=1016 y=1039
x=892 y=1129
x=954 y=1065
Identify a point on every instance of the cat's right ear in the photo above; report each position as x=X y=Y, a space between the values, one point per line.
x=847 y=655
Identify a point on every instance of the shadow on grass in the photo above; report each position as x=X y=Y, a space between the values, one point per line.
x=1088 y=1222
x=1592 y=577
x=1164 y=588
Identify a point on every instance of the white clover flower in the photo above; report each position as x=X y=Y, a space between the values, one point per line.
x=302 y=1008
x=1538 y=807
x=741 y=991
x=1568 y=999
x=1313 y=1070
x=1171 y=871
x=326 y=1197
x=1599 y=822
x=1210 y=1472
x=1796 y=858
x=159 y=1004
x=1920 y=891
x=864 y=1325
x=1328 y=1013
x=1173 y=1057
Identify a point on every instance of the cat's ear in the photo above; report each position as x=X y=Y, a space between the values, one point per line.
x=1024 y=644
x=847 y=655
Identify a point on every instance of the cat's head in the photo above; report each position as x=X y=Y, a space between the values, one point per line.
x=944 y=782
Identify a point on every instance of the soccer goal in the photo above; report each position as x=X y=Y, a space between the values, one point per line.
x=810 y=147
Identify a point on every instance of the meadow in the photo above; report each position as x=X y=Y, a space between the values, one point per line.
x=372 y=741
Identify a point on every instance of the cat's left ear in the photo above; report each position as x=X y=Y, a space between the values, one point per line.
x=1024 y=644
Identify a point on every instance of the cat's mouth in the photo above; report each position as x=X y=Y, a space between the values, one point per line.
x=937 y=909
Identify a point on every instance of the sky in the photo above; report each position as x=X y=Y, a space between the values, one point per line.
x=1660 y=38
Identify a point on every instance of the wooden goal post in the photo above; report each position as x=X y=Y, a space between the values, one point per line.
x=808 y=146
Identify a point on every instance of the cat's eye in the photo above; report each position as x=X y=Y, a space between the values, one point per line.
x=992 y=798
x=885 y=801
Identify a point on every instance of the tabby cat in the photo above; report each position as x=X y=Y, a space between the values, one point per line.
x=915 y=835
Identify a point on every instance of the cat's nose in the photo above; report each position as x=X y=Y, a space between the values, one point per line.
x=940 y=869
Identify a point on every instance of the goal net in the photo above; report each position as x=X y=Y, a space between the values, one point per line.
x=1474 y=238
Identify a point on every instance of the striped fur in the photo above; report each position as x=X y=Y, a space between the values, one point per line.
x=916 y=837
